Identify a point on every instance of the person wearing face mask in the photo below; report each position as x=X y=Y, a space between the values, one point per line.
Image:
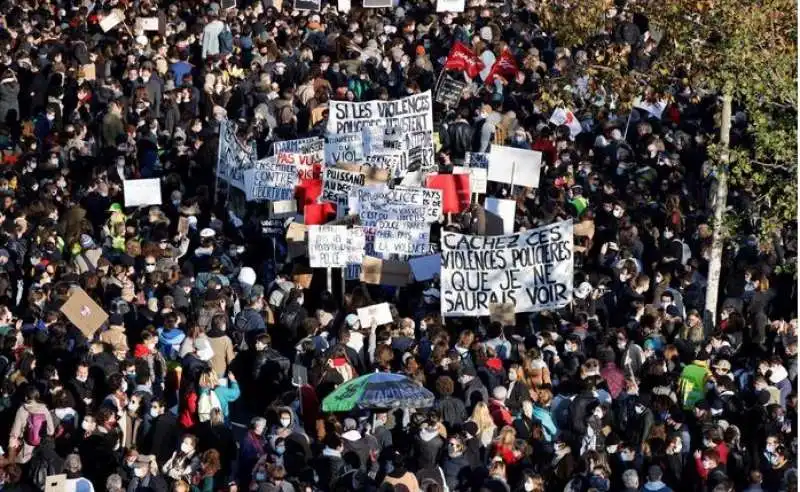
x=146 y=477
x=251 y=448
x=162 y=433
x=184 y=462
x=115 y=334
x=455 y=466
x=709 y=468
x=82 y=387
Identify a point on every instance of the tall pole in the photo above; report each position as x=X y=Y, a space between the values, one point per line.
x=720 y=202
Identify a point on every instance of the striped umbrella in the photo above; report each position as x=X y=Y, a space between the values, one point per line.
x=378 y=390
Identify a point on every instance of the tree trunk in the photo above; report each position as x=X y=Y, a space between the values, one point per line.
x=720 y=202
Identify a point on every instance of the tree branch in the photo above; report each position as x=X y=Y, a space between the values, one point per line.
x=771 y=166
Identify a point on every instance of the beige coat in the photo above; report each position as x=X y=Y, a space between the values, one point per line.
x=20 y=423
x=115 y=336
x=223 y=353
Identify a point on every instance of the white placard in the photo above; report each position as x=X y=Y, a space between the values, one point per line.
x=519 y=167
x=379 y=313
x=308 y=164
x=347 y=147
x=111 y=20
x=450 y=5
x=284 y=208
x=410 y=114
x=149 y=23
x=299 y=146
x=142 y=192
x=337 y=184
x=505 y=209
x=563 y=116
x=402 y=237
x=656 y=109
x=401 y=197
x=394 y=161
x=343 y=6
x=532 y=270
x=425 y=267
x=334 y=246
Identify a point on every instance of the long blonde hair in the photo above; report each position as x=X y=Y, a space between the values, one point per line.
x=482 y=417
x=507 y=433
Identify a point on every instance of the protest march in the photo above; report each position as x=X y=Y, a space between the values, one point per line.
x=393 y=246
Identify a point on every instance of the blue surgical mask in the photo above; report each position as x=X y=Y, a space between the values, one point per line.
x=280 y=450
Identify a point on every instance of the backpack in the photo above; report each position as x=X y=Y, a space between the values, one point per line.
x=225 y=39
x=39 y=471
x=33 y=428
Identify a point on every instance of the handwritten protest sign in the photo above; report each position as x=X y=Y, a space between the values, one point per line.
x=334 y=246
x=275 y=182
x=531 y=269
x=392 y=161
x=451 y=88
x=402 y=237
x=142 y=192
x=300 y=145
x=410 y=114
x=308 y=164
x=427 y=201
x=337 y=183
x=83 y=312
x=477 y=166
x=520 y=167
x=347 y=147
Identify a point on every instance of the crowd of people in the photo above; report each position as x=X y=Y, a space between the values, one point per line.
x=193 y=383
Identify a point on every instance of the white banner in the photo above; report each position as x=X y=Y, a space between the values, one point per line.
x=450 y=5
x=337 y=183
x=347 y=147
x=334 y=246
x=519 y=167
x=234 y=156
x=532 y=270
x=273 y=182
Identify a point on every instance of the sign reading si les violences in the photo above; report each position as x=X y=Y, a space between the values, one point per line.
x=411 y=114
x=532 y=269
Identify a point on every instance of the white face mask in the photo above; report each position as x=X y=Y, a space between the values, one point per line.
x=618 y=212
x=86 y=426
x=512 y=376
x=285 y=422
x=528 y=486
x=678 y=447
x=150 y=268
x=154 y=413
x=132 y=406
x=186 y=448
x=300 y=301
x=640 y=409
x=140 y=472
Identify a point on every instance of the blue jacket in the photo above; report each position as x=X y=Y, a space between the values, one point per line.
x=225 y=395
x=549 y=427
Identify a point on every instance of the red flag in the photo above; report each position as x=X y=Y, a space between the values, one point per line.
x=505 y=66
x=463 y=59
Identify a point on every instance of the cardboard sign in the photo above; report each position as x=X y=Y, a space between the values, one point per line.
x=83 y=312
x=425 y=267
x=142 y=192
x=89 y=71
x=502 y=313
x=55 y=483
x=505 y=209
x=272 y=182
x=347 y=147
x=333 y=246
x=377 y=313
x=519 y=167
x=455 y=191
x=296 y=239
x=183 y=226
x=111 y=20
x=532 y=270
x=384 y=272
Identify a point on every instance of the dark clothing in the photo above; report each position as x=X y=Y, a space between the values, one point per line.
x=452 y=411
x=162 y=437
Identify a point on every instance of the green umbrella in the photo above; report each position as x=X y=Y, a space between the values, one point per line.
x=378 y=390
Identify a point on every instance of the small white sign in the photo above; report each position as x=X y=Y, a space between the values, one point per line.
x=379 y=313
x=519 y=167
x=142 y=192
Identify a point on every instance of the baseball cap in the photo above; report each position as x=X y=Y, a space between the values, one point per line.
x=115 y=207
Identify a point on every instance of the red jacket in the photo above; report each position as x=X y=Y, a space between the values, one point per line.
x=500 y=413
x=188 y=414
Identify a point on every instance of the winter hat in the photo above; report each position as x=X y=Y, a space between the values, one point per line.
x=247 y=276
x=500 y=393
x=86 y=241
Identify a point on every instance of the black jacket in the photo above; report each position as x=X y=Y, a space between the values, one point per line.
x=162 y=437
x=458 y=140
x=329 y=469
x=452 y=411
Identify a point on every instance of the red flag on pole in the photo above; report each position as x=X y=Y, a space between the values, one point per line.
x=463 y=59
x=505 y=66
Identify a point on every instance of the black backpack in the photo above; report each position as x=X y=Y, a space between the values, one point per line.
x=40 y=468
